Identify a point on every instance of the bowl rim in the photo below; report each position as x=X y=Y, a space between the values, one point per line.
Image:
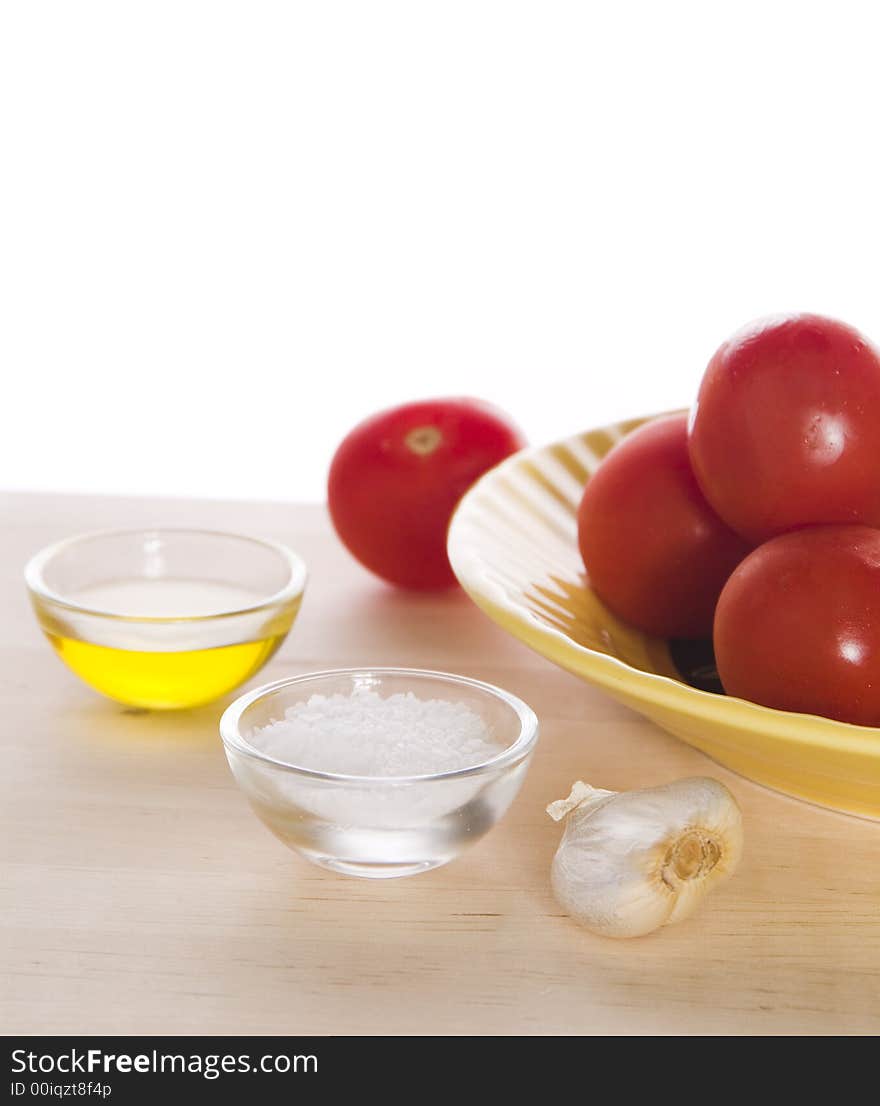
x=36 y=565
x=518 y=750
x=654 y=689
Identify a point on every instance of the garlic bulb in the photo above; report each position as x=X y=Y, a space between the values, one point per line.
x=632 y=861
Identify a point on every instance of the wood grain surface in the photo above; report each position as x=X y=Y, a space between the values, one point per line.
x=141 y=895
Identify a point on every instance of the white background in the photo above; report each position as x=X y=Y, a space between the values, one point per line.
x=228 y=231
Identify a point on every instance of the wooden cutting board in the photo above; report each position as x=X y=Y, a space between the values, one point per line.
x=141 y=895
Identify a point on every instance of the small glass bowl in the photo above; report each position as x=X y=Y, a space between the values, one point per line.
x=165 y=619
x=380 y=827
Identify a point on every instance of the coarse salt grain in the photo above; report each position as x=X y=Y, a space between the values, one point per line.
x=362 y=734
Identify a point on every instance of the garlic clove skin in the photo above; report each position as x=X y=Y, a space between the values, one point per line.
x=630 y=862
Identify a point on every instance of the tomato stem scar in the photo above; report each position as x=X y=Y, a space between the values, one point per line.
x=423 y=440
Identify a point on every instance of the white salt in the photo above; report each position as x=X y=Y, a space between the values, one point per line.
x=362 y=734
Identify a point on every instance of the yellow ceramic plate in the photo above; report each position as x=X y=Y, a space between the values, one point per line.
x=513 y=546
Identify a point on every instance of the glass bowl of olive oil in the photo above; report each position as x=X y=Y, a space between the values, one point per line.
x=165 y=619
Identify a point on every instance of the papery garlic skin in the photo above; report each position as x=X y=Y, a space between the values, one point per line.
x=632 y=861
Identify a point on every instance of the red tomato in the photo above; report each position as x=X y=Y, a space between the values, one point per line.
x=397 y=477
x=655 y=552
x=786 y=429
x=798 y=624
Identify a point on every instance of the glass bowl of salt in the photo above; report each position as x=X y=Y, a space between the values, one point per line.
x=379 y=772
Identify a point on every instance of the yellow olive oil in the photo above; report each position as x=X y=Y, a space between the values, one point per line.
x=164 y=676
x=164 y=681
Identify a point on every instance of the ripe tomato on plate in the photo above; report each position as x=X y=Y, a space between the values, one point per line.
x=398 y=476
x=786 y=428
x=798 y=624
x=655 y=552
